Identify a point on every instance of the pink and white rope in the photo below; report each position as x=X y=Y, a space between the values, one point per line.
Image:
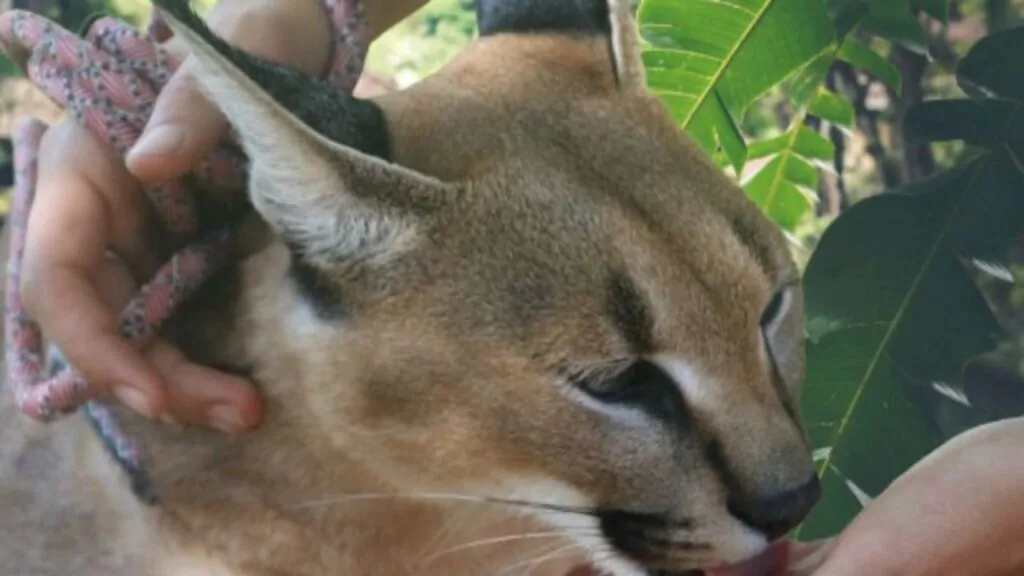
x=108 y=81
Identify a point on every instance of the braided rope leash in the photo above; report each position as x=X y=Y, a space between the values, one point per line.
x=108 y=80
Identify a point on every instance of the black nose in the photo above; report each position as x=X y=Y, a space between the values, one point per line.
x=777 y=514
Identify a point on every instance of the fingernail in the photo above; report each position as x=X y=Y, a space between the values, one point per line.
x=226 y=418
x=135 y=399
x=158 y=142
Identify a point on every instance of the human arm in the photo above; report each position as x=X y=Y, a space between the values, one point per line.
x=960 y=511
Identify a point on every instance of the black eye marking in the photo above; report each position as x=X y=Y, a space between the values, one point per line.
x=775 y=306
x=629 y=311
x=772 y=310
x=772 y=319
x=641 y=384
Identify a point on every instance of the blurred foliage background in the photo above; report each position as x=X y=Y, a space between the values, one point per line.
x=882 y=136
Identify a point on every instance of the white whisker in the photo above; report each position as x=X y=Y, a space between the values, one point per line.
x=532 y=564
x=454 y=520
x=500 y=540
x=349 y=498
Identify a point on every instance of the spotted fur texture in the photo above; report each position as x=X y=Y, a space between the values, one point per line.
x=539 y=311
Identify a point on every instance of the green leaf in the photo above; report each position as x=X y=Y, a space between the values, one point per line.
x=785 y=186
x=985 y=123
x=781 y=200
x=712 y=127
x=895 y=20
x=746 y=47
x=847 y=15
x=846 y=372
x=833 y=108
x=769 y=147
x=992 y=67
x=804 y=85
x=714 y=116
x=938 y=9
x=862 y=56
x=995 y=119
x=892 y=310
x=710 y=59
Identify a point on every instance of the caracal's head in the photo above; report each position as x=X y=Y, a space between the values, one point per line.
x=519 y=279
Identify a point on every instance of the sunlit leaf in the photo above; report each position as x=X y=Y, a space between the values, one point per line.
x=712 y=127
x=709 y=59
x=784 y=188
x=742 y=48
x=805 y=84
x=833 y=108
x=771 y=189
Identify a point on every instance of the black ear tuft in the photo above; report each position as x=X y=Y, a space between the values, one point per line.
x=538 y=16
x=358 y=124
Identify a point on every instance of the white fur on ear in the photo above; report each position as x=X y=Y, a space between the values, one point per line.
x=626 y=45
x=334 y=204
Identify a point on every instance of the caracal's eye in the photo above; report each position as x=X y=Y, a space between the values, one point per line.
x=639 y=384
x=620 y=382
x=625 y=383
x=782 y=333
x=776 y=311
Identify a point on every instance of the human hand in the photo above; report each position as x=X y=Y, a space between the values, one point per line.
x=958 y=512
x=185 y=126
x=88 y=202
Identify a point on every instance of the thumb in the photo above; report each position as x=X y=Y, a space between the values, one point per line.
x=184 y=128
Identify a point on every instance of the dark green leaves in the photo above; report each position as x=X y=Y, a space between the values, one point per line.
x=892 y=307
x=987 y=72
x=895 y=20
x=984 y=123
x=992 y=119
x=892 y=311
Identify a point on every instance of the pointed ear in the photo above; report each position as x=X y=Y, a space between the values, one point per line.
x=610 y=18
x=319 y=170
x=626 y=47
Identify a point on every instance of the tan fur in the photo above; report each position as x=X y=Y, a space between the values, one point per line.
x=540 y=175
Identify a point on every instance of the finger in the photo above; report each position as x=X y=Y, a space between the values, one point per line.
x=71 y=151
x=185 y=126
x=183 y=129
x=194 y=394
x=197 y=394
x=66 y=238
x=73 y=315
